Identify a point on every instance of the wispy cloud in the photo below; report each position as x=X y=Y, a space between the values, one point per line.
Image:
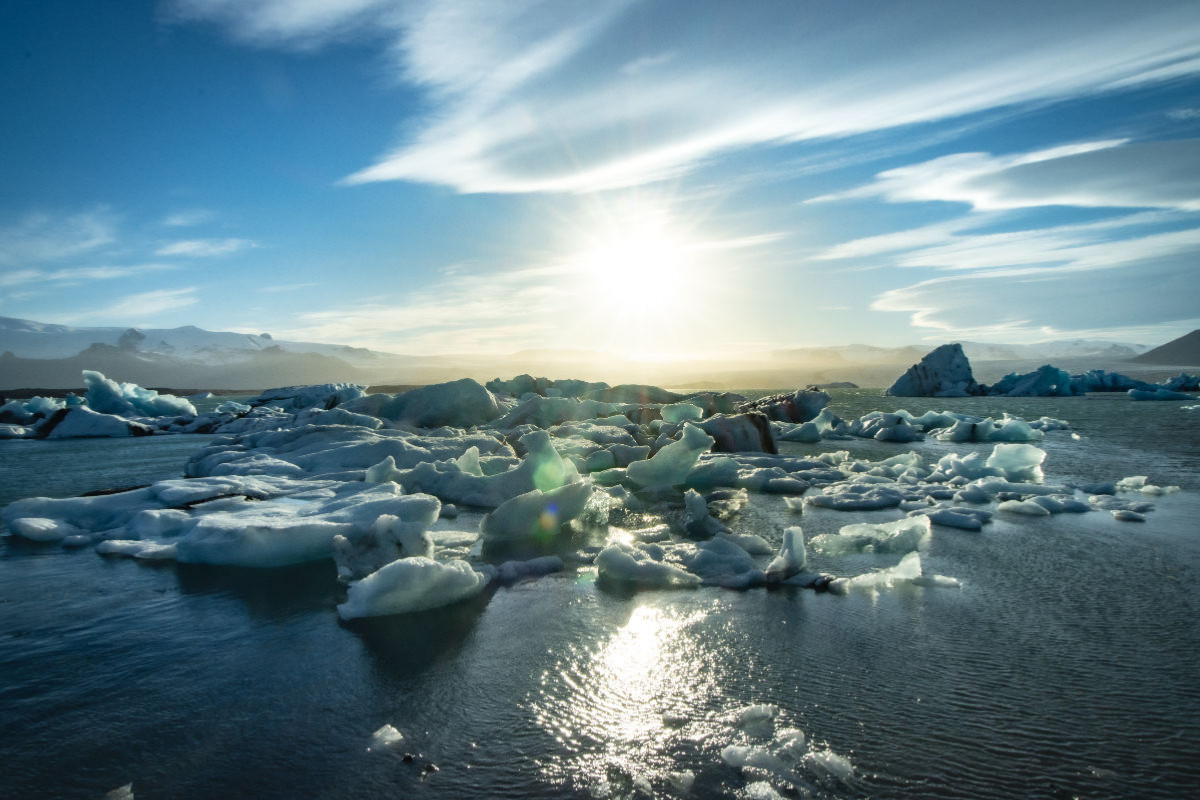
x=39 y=238
x=76 y=275
x=186 y=219
x=204 y=248
x=1115 y=173
x=136 y=307
x=298 y=23
x=576 y=97
x=286 y=287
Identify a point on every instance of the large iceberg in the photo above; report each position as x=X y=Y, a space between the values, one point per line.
x=943 y=372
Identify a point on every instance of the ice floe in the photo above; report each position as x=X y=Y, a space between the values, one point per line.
x=647 y=488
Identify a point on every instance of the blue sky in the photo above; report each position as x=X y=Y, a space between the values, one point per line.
x=649 y=178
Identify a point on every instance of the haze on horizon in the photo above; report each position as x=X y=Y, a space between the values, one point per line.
x=650 y=179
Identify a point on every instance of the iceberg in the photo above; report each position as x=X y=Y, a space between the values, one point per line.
x=943 y=372
x=800 y=406
x=1045 y=381
x=130 y=400
x=462 y=404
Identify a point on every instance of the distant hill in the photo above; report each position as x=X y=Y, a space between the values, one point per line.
x=272 y=367
x=28 y=339
x=37 y=354
x=1182 y=352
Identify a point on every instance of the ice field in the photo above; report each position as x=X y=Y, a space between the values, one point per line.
x=621 y=594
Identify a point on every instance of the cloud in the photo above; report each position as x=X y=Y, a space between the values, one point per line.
x=300 y=23
x=38 y=238
x=204 y=248
x=554 y=95
x=286 y=287
x=1115 y=173
x=76 y=275
x=1130 y=271
x=186 y=219
x=139 y=306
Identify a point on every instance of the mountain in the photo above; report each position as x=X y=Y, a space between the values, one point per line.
x=1182 y=352
x=51 y=356
x=28 y=339
x=271 y=367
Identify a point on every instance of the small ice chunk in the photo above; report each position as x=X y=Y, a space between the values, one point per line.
x=682 y=412
x=902 y=536
x=536 y=515
x=137 y=548
x=681 y=781
x=1025 y=507
x=635 y=565
x=1125 y=515
x=757 y=720
x=512 y=571
x=411 y=584
x=836 y=765
x=386 y=739
x=385 y=471
x=670 y=465
x=762 y=790
x=792 y=556
x=42 y=529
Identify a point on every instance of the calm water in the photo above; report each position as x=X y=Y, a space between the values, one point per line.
x=1066 y=666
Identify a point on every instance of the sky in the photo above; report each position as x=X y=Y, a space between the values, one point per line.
x=651 y=179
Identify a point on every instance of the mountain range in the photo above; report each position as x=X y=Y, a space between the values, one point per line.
x=36 y=354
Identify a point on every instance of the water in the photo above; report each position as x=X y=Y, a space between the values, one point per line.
x=1064 y=667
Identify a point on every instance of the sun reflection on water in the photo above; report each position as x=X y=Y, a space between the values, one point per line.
x=627 y=708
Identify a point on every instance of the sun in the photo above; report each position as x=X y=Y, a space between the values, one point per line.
x=636 y=276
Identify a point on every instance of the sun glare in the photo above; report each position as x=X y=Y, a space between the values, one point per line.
x=638 y=277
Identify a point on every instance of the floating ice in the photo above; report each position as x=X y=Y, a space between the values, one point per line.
x=636 y=565
x=386 y=739
x=512 y=571
x=136 y=548
x=670 y=465
x=902 y=536
x=296 y=398
x=1158 y=394
x=792 y=557
x=411 y=584
x=698 y=523
x=388 y=538
x=1139 y=483
x=462 y=403
x=885 y=428
x=1045 y=381
x=1008 y=429
x=682 y=412
x=740 y=433
x=536 y=516
x=82 y=422
x=856 y=497
x=943 y=372
x=800 y=406
x=130 y=400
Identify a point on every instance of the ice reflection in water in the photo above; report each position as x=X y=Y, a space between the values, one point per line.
x=626 y=710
